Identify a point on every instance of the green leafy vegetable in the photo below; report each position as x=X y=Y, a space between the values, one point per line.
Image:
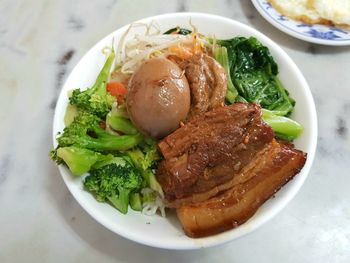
x=78 y=160
x=284 y=128
x=71 y=113
x=254 y=74
x=120 y=124
x=118 y=166
x=252 y=78
x=136 y=201
x=114 y=182
x=221 y=56
x=96 y=99
x=85 y=132
x=178 y=30
x=145 y=161
x=146 y=156
x=149 y=197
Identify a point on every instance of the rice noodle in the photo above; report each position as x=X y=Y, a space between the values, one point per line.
x=151 y=208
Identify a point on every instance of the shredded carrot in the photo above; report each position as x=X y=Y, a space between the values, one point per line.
x=180 y=51
x=117 y=90
x=197 y=46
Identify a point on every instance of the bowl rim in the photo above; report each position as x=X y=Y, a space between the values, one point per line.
x=233 y=233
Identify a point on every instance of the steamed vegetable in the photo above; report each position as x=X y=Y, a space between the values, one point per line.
x=96 y=99
x=178 y=30
x=145 y=161
x=221 y=56
x=284 y=128
x=120 y=124
x=97 y=135
x=80 y=160
x=253 y=71
x=85 y=132
x=114 y=182
x=254 y=74
x=136 y=201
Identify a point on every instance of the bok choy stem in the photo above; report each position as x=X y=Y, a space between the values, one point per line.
x=220 y=54
x=284 y=128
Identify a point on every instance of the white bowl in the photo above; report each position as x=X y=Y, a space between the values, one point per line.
x=167 y=232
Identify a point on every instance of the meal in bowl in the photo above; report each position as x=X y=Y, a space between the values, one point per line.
x=183 y=121
x=326 y=12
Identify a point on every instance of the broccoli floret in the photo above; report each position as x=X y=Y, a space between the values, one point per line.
x=136 y=201
x=145 y=160
x=79 y=160
x=85 y=132
x=96 y=99
x=114 y=182
x=146 y=156
x=120 y=124
x=152 y=156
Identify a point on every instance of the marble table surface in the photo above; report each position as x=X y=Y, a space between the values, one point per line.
x=41 y=41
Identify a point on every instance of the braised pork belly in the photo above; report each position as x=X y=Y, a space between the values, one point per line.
x=221 y=166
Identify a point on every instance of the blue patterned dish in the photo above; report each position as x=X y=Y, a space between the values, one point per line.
x=318 y=34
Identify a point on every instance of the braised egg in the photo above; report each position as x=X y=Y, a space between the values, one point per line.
x=158 y=98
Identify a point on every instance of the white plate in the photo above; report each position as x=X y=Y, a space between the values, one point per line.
x=166 y=232
x=319 y=34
